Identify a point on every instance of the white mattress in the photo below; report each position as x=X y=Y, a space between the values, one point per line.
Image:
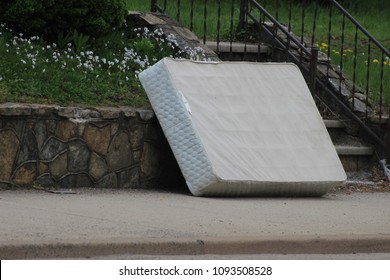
x=239 y=128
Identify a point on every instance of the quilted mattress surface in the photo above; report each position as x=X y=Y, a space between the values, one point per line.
x=243 y=129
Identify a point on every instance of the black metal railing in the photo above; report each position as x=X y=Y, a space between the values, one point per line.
x=355 y=67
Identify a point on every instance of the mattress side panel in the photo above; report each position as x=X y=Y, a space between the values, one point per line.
x=177 y=126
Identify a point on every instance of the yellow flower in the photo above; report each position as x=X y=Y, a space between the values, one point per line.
x=324 y=45
x=375 y=60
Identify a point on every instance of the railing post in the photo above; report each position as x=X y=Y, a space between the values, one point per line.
x=153 y=6
x=243 y=11
x=313 y=69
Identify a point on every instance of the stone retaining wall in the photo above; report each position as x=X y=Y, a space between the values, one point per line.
x=75 y=147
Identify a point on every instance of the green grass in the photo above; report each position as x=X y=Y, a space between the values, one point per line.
x=343 y=49
x=36 y=71
x=100 y=72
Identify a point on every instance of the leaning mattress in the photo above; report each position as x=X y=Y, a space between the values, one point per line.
x=243 y=129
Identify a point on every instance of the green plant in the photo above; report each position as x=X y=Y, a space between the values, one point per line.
x=75 y=39
x=48 y=18
x=104 y=73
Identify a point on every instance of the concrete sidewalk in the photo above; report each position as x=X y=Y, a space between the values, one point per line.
x=38 y=224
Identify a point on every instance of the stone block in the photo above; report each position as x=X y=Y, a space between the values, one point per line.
x=15 y=124
x=9 y=144
x=59 y=166
x=15 y=109
x=81 y=180
x=40 y=133
x=43 y=168
x=119 y=154
x=97 y=167
x=79 y=155
x=97 y=139
x=45 y=180
x=74 y=147
x=108 y=181
x=52 y=148
x=26 y=174
x=66 y=130
x=145 y=115
x=149 y=161
x=28 y=148
x=137 y=132
x=129 y=178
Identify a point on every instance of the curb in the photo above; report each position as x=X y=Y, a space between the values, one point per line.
x=216 y=246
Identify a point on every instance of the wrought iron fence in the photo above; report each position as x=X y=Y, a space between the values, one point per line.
x=354 y=66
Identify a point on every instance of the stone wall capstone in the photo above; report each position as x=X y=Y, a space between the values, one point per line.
x=72 y=147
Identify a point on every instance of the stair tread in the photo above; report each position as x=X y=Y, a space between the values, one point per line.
x=237 y=47
x=354 y=150
x=334 y=124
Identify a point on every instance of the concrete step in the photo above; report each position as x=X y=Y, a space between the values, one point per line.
x=334 y=124
x=237 y=47
x=354 y=153
x=236 y=51
x=346 y=150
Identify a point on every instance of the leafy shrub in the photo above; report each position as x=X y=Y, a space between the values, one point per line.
x=51 y=17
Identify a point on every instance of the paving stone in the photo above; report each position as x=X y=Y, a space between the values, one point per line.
x=78 y=157
x=9 y=144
